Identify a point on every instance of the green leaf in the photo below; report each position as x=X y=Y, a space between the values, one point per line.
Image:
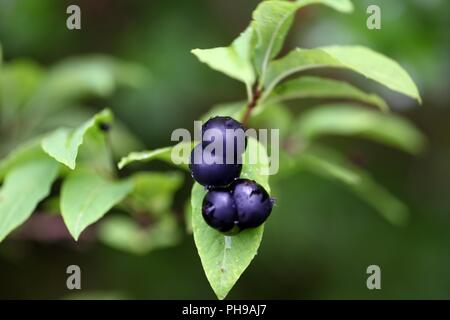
x=153 y=192
x=316 y=87
x=122 y=233
x=21 y=154
x=177 y=155
x=86 y=197
x=121 y=138
x=234 y=60
x=256 y=163
x=272 y=116
x=359 y=59
x=63 y=143
x=272 y=21
x=235 y=110
x=224 y=259
x=24 y=187
x=331 y=164
x=18 y=81
x=96 y=152
x=339 y=5
x=348 y=120
x=79 y=77
x=187 y=210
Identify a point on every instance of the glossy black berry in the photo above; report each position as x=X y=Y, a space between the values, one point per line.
x=219 y=210
x=253 y=203
x=209 y=168
x=227 y=130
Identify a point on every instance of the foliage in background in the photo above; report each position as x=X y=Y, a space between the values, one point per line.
x=81 y=158
x=346 y=172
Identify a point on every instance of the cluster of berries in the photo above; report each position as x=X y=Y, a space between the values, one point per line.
x=231 y=204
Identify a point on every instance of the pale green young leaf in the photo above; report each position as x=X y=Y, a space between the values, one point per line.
x=224 y=259
x=316 y=87
x=234 y=60
x=157 y=154
x=350 y=120
x=63 y=144
x=272 y=20
x=364 y=61
x=177 y=155
x=122 y=233
x=24 y=187
x=330 y=164
x=86 y=197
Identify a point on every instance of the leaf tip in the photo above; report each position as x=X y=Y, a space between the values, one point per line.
x=121 y=164
x=401 y=218
x=419 y=99
x=221 y=293
x=349 y=7
x=221 y=296
x=70 y=165
x=74 y=234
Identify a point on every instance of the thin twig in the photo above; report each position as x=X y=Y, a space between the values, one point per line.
x=251 y=105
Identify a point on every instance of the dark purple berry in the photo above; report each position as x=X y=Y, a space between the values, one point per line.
x=253 y=203
x=219 y=210
x=227 y=130
x=209 y=168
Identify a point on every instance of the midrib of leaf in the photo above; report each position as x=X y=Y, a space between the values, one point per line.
x=87 y=204
x=235 y=54
x=333 y=60
x=224 y=258
x=283 y=75
x=269 y=49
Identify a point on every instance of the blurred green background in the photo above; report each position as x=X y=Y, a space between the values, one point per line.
x=320 y=238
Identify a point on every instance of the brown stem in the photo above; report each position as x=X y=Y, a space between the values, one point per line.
x=251 y=105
